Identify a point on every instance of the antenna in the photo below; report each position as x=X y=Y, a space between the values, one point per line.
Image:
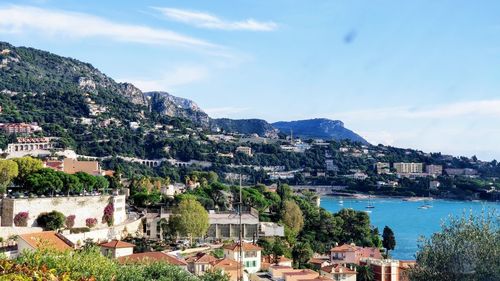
x=240 y=259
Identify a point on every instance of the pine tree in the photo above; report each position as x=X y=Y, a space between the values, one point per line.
x=389 y=241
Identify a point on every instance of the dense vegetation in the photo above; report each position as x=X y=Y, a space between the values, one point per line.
x=88 y=264
x=467 y=248
x=27 y=175
x=307 y=227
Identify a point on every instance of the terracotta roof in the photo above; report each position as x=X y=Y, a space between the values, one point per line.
x=319 y=278
x=345 y=248
x=225 y=264
x=318 y=260
x=117 y=244
x=300 y=272
x=46 y=239
x=366 y=252
x=246 y=247
x=370 y=253
x=57 y=165
x=201 y=258
x=337 y=269
x=151 y=257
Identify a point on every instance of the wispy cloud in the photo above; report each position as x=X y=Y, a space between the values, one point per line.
x=20 y=19
x=182 y=75
x=210 y=21
x=468 y=108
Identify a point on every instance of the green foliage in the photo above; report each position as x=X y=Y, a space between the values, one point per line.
x=355 y=227
x=365 y=273
x=292 y=216
x=467 y=248
x=8 y=171
x=26 y=166
x=89 y=264
x=301 y=253
x=190 y=218
x=389 y=241
x=44 y=181
x=51 y=221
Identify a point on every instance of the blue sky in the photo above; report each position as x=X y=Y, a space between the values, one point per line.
x=419 y=74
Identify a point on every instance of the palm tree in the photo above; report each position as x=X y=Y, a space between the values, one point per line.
x=365 y=273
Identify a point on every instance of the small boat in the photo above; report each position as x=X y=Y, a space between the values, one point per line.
x=368 y=211
x=370 y=204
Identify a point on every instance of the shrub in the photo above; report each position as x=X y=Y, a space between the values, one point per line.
x=76 y=230
x=109 y=211
x=70 y=221
x=51 y=221
x=91 y=222
x=21 y=219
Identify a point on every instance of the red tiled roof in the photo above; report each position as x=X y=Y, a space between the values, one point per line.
x=301 y=272
x=365 y=252
x=318 y=260
x=368 y=252
x=345 y=248
x=201 y=258
x=337 y=269
x=246 y=247
x=151 y=257
x=46 y=239
x=319 y=278
x=117 y=244
x=225 y=264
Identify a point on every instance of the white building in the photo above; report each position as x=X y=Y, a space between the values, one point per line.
x=408 y=168
x=115 y=249
x=245 y=150
x=434 y=170
x=251 y=257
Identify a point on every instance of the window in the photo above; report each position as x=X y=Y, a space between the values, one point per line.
x=251 y=254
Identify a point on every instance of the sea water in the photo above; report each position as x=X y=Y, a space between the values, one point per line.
x=408 y=219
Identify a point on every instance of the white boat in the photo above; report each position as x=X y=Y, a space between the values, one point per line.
x=370 y=204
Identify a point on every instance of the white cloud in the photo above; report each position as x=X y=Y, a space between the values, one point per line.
x=179 y=76
x=209 y=21
x=20 y=19
x=468 y=108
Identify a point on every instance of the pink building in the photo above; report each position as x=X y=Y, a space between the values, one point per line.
x=350 y=253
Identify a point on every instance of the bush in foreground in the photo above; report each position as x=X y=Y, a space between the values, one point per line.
x=467 y=248
x=89 y=264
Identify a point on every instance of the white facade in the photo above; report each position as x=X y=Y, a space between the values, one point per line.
x=117 y=252
x=82 y=207
x=408 y=168
x=251 y=259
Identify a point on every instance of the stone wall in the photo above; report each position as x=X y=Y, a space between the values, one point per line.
x=6 y=232
x=105 y=234
x=82 y=207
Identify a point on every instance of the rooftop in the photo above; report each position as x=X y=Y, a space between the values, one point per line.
x=117 y=244
x=246 y=247
x=201 y=258
x=46 y=239
x=337 y=269
x=151 y=257
x=226 y=264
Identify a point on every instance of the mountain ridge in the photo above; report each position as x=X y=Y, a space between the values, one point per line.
x=93 y=94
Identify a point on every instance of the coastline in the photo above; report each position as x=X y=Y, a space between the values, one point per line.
x=358 y=195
